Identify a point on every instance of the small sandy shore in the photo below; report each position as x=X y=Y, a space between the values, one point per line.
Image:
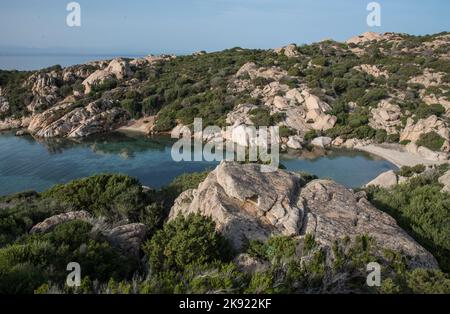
x=143 y=125
x=397 y=155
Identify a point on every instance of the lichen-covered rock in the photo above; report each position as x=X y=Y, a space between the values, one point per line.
x=248 y=204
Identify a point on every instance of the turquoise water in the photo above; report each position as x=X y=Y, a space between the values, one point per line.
x=27 y=164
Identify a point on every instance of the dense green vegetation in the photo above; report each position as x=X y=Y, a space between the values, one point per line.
x=199 y=85
x=421 y=209
x=188 y=255
x=431 y=140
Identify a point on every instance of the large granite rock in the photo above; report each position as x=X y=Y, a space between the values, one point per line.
x=245 y=203
x=118 y=68
x=385 y=180
x=322 y=141
x=248 y=204
x=413 y=131
x=68 y=120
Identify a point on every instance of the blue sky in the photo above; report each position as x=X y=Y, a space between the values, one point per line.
x=184 y=26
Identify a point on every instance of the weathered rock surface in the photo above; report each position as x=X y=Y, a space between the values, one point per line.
x=334 y=212
x=10 y=124
x=51 y=222
x=117 y=68
x=372 y=70
x=445 y=180
x=245 y=203
x=386 y=117
x=249 y=264
x=128 y=237
x=385 y=180
x=248 y=204
x=289 y=50
x=294 y=142
x=413 y=131
x=67 y=120
x=322 y=141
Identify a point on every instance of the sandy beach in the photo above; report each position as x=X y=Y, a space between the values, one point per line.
x=397 y=155
x=143 y=125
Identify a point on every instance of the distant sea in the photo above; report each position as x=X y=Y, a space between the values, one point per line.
x=37 y=62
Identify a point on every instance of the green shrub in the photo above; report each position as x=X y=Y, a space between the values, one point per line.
x=133 y=107
x=422 y=210
x=190 y=240
x=112 y=196
x=431 y=140
x=310 y=135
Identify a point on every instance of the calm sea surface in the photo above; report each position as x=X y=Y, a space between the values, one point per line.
x=27 y=164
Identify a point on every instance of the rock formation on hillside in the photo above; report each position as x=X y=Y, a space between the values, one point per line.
x=69 y=120
x=127 y=237
x=348 y=91
x=248 y=204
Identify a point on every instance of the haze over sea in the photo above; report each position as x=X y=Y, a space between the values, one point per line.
x=36 y=62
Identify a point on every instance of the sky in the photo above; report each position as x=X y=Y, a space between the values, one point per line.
x=185 y=26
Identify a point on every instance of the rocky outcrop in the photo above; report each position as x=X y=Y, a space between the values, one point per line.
x=245 y=203
x=289 y=51
x=386 y=180
x=248 y=204
x=294 y=142
x=50 y=223
x=11 y=124
x=413 y=131
x=249 y=264
x=428 y=78
x=335 y=212
x=68 y=120
x=386 y=117
x=372 y=70
x=251 y=70
x=372 y=36
x=322 y=141
x=117 y=68
x=240 y=115
x=128 y=237
x=445 y=181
